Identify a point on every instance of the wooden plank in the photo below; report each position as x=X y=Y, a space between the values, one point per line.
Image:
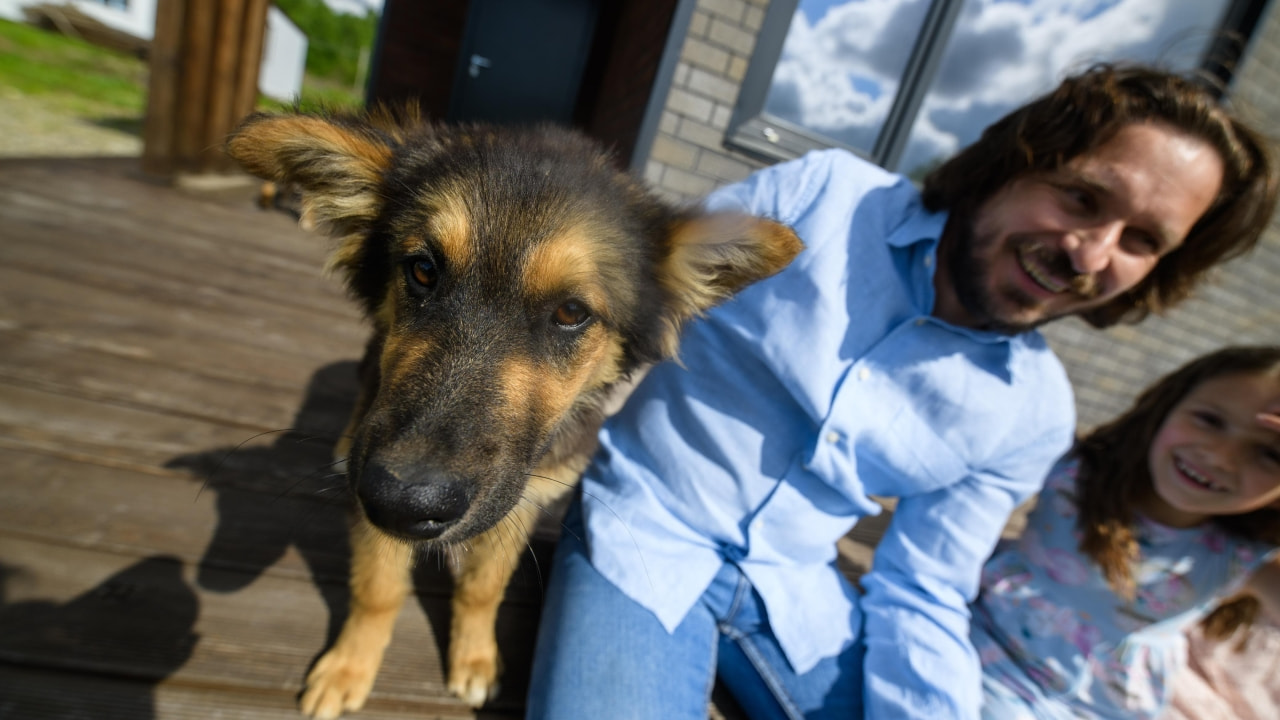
x=110 y=191
x=146 y=618
x=275 y=529
x=151 y=618
x=177 y=282
x=252 y=518
x=248 y=246
x=118 y=257
x=32 y=694
x=62 y=366
x=243 y=345
x=41 y=419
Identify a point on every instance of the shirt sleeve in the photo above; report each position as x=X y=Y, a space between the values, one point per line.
x=920 y=662
x=779 y=191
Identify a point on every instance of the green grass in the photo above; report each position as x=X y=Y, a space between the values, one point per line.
x=318 y=92
x=72 y=76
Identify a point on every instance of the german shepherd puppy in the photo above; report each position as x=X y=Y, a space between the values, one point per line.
x=515 y=280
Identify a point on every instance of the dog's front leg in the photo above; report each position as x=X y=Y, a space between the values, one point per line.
x=342 y=678
x=480 y=581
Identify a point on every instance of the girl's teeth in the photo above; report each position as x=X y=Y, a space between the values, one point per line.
x=1195 y=476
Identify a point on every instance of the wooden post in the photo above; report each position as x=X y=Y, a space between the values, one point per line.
x=204 y=79
x=160 y=124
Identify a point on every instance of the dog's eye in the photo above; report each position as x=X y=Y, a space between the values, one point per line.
x=571 y=315
x=422 y=272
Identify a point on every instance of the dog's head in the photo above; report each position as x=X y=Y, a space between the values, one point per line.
x=513 y=278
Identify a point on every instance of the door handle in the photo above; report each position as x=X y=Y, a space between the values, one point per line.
x=477 y=63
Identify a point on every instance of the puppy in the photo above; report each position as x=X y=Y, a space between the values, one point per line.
x=515 y=280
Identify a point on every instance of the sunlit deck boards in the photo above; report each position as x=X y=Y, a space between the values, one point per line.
x=168 y=548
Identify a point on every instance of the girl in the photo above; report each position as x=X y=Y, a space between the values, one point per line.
x=1139 y=532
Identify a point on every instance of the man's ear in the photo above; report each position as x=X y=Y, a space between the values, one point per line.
x=712 y=256
x=337 y=165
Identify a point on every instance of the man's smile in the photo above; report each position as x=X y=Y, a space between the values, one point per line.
x=1032 y=259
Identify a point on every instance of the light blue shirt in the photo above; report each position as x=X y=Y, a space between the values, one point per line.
x=795 y=402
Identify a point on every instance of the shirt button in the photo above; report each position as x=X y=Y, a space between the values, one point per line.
x=920 y=321
x=928 y=260
x=833 y=437
x=863 y=373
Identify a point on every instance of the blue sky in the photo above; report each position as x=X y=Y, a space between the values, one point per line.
x=840 y=66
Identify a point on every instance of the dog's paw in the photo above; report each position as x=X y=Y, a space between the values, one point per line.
x=475 y=681
x=337 y=683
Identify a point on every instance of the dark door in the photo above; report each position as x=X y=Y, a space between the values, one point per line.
x=522 y=60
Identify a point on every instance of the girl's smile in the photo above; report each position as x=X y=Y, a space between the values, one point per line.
x=1218 y=452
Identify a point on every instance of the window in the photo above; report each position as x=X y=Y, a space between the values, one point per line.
x=907 y=83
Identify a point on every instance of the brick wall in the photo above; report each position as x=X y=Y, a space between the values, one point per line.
x=1240 y=303
x=688 y=157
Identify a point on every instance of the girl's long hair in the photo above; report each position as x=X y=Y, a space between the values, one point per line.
x=1115 y=476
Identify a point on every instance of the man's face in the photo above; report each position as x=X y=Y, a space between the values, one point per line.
x=1052 y=244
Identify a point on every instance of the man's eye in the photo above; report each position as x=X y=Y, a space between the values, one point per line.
x=1142 y=243
x=1079 y=200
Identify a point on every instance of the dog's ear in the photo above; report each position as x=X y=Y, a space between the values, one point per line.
x=714 y=255
x=337 y=163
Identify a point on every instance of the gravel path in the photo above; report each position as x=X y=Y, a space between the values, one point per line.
x=30 y=128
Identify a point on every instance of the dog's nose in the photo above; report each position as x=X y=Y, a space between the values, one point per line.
x=413 y=503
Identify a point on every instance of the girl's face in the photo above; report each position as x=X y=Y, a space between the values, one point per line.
x=1218 y=452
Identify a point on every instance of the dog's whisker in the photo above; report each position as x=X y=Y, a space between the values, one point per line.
x=231 y=451
x=639 y=552
x=313 y=475
x=527 y=533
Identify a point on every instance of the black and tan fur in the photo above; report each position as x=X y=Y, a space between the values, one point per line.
x=515 y=281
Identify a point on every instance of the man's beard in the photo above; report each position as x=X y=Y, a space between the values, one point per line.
x=970 y=275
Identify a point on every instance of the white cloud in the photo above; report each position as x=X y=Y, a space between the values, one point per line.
x=1002 y=53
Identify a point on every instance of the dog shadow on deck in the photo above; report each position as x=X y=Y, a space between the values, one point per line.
x=288 y=494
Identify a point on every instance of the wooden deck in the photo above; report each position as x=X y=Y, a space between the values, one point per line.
x=174 y=369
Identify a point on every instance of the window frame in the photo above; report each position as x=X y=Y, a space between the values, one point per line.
x=765 y=136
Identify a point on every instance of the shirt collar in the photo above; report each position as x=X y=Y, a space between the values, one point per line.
x=920 y=232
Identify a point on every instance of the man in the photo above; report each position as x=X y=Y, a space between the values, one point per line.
x=896 y=356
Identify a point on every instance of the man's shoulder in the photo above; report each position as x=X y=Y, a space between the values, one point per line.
x=848 y=167
x=851 y=184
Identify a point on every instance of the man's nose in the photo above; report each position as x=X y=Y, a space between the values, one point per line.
x=1090 y=248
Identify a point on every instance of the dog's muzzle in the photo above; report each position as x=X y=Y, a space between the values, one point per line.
x=410 y=501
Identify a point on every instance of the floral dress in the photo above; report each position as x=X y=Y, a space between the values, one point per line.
x=1056 y=642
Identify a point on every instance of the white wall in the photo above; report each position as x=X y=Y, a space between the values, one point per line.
x=284 y=57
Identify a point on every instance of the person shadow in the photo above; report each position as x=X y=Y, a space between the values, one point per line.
x=140 y=619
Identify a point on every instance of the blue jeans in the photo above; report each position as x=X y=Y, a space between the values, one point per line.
x=601 y=656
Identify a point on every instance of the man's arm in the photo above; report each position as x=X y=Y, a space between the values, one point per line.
x=920 y=662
